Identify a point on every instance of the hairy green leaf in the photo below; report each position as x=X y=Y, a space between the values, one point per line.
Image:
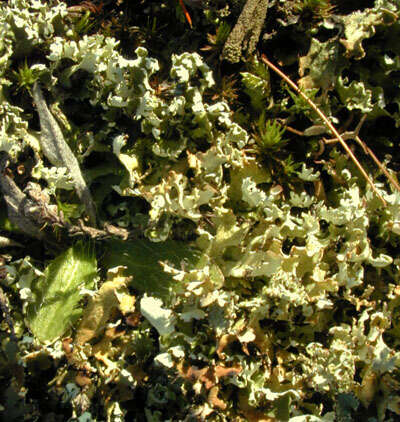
x=55 y=307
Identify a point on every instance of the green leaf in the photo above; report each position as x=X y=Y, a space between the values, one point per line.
x=58 y=292
x=142 y=257
x=257 y=89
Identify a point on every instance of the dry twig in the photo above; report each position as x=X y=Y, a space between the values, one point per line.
x=355 y=135
x=326 y=122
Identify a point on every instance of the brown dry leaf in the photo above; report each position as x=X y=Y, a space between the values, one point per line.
x=245 y=349
x=208 y=376
x=110 y=370
x=224 y=341
x=133 y=319
x=214 y=400
x=204 y=375
x=67 y=347
x=368 y=388
x=112 y=333
x=127 y=304
x=98 y=312
x=72 y=353
x=193 y=374
x=82 y=379
x=223 y=371
x=103 y=346
x=112 y=295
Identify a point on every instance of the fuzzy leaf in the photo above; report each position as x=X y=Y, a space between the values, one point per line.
x=55 y=307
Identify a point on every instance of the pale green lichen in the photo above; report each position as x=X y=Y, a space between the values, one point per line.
x=286 y=294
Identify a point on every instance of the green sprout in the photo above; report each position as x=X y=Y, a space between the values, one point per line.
x=84 y=24
x=290 y=166
x=26 y=76
x=268 y=134
x=218 y=40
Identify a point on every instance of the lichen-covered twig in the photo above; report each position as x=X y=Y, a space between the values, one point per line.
x=31 y=213
x=328 y=124
x=246 y=33
x=6 y=314
x=47 y=216
x=18 y=204
x=59 y=153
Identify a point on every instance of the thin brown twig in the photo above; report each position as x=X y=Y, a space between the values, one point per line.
x=367 y=150
x=293 y=130
x=326 y=122
x=377 y=162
